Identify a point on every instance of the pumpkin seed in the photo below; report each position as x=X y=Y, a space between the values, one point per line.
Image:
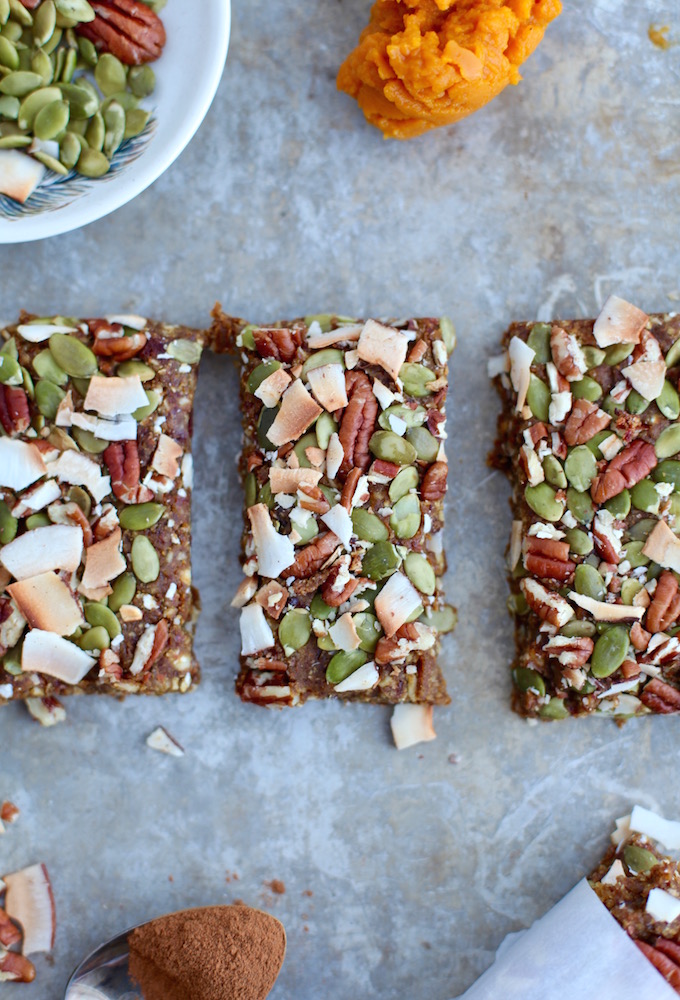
x=51 y=120
x=579 y=542
x=12 y=31
x=368 y=629
x=307 y=531
x=538 y=398
x=4 y=11
x=88 y=442
x=635 y=555
x=94 y=638
x=416 y=379
x=20 y=14
x=295 y=630
x=133 y=367
x=389 y=447
x=79 y=496
x=443 y=619
x=586 y=388
x=69 y=150
x=554 y=473
x=250 y=490
x=10 y=371
x=448 y=332
x=629 y=588
x=579 y=629
x=368 y=526
x=37 y=521
x=188 y=352
x=319 y=608
x=555 y=709
x=405 y=480
x=114 y=119
x=135 y=123
x=15 y=141
x=641 y=529
x=44 y=22
x=325 y=427
x=638 y=859
x=668 y=442
x=50 y=162
x=76 y=10
x=593 y=356
x=539 y=342
x=65 y=22
x=668 y=401
x=610 y=651
x=9 y=107
x=259 y=374
x=123 y=591
x=82 y=102
x=72 y=356
x=48 y=396
x=95 y=133
x=543 y=501
x=306 y=441
x=587 y=581
x=110 y=74
x=92 y=163
x=412 y=418
x=20 y=83
x=580 y=505
x=517 y=605
x=328 y=356
x=406 y=516
x=645 y=497
x=580 y=468
x=27 y=383
x=668 y=471
x=9 y=56
x=88 y=51
x=8 y=524
x=98 y=615
x=529 y=680
x=140 y=516
x=635 y=403
x=11 y=662
x=380 y=561
x=425 y=443
x=144 y=558
x=154 y=401
x=617 y=353
x=45 y=366
x=673 y=355
x=619 y=506
x=343 y=664
x=69 y=67
x=420 y=572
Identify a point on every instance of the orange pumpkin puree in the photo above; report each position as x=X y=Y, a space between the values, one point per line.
x=424 y=63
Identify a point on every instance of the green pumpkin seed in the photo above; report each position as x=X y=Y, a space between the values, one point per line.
x=319 y=608
x=579 y=629
x=412 y=418
x=580 y=506
x=45 y=366
x=9 y=56
x=328 y=356
x=20 y=83
x=27 y=383
x=580 y=468
x=75 y=10
x=4 y=11
x=638 y=859
x=48 y=396
x=668 y=471
x=98 y=615
x=443 y=620
x=20 y=14
x=579 y=542
x=123 y=591
x=94 y=638
x=425 y=443
x=259 y=374
x=95 y=132
x=586 y=388
x=133 y=367
x=587 y=581
x=406 y=516
x=629 y=589
x=593 y=356
x=306 y=441
x=37 y=521
x=307 y=531
x=250 y=490
x=114 y=119
x=343 y=664
x=325 y=427
x=416 y=379
x=635 y=403
x=188 y=352
x=368 y=629
x=92 y=163
x=110 y=74
x=529 y=680
x=635 y=555
x=619 y=506
x=610 y=651
x=72 y=356
x=88 y=442
x=325 y=642
x=420 y=572
x=405 y=480
x=555 y=709
x=389 y=447
x=88 y=51
x=368 y=526
x=140 y=516
x=9 y=107
x=668 y=401
x=50 y=162
x=673 y=355
x=69 y=67
x=65 y=22
x=668 y=442
x=51 y=120
x=617 y=353
x=8 y=524
x=15 y=141
x=145 y=562
x=79 y=496
x=539 y=342
x=596 y=441
x=610 y=405
x=517 y=605
x=641 y=529
x=11 y=662
x=380 y=561
x=82 y=102
x=69 y=150
x=448 y=332
x=645 y=497
x=295 y=630
x=543 y=501
x=265 y=420
x=154 y=401
x=538 y=398
x=554 y=473
x=44 y=22
x=12 y=31
x=10 y=371
x=135 y=123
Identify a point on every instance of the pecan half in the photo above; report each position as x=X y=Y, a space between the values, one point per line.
x=663 y=963
x=382 y=468
x=434 y=482
x=639 y=637
x=661 y=697
x=388 y=650
x=311 y=498
x=665 y=607
x=9 y=934
x=17 y=968
x=548 y=605
x=281 y=344
x=127 y=28
x=572 y=651
x=15 y=416
x=417 y=351
x=584 y=422
x=334 y=598
x=358 y=422
x=311 y=558
x=122 y=459
x=566 y=354
x=349 y=487
x=630 y=466
x=110 y=340
x=548 y=558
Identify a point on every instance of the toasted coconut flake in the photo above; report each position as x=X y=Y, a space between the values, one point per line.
x=412 y=724
x=245 y=592
x=298 y=411
x=328 y=385
x=119 y=429
x=665 y=831
x=384 y=395
x=290 y=480
x=36 y=498
x=166 y=458
x=55 y=546
x=161 y=740
x=663 y=547
x=342 y=334
x=275 y=552
x=384 y=346
x=363 y=679
x=340 y=523
x=521 y=356
x=272 y=598
x=47 y=653
x=78 y=470
x=344 y=634
x=647 y=378
x=515 y=550
x=103 y=562
x=604 y=612
x=256 y=634
x=395 y=603
x=273 y=387
x=619 y=323
x=46 y=603
x=65 y=411
x=30 y=902
x=21 y=464
x=335 y=454
x=129 y=613
x=113 y=396
x=37 y=333
x=20 y=174
x=315 y=456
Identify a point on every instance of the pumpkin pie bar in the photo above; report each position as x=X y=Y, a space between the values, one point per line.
x=344 y=472
x=589 y=435
x=95 y=507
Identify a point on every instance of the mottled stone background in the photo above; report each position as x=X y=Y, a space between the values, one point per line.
x=563 y=190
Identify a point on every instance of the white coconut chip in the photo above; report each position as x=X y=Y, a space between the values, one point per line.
x=663 y=547
x=30 y=902
x=256 y=635
x=36 y=498
x=363 y=678
x=521 y=356
x=619 y=323
x=290 y=480
x=412 y=724
x=328 y=385
x=383 y=346
x=273 y=387
x=664 y=831
x=395 y=603
x=616 y=872
x=20 y=174
x=340 y=523
x=47 y=653
x=298 y=411
x=78 y=470
x=344 y=634
x=275 y=552
x=335 y=454
x=166 y=457
x=21 y=464
x=120 y=429
x=604 y=612
x=646 y=377
x=47 y=603
x=662 y=906
x=114 y=396
x=56 y=546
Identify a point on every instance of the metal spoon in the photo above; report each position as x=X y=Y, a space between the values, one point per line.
x=104 y=974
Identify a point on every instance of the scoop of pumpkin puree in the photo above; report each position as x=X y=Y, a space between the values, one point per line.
x=424 y=63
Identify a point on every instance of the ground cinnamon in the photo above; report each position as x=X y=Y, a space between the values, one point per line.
x=211 y=953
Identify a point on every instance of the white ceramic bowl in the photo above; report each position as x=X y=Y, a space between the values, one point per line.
x=188 y=74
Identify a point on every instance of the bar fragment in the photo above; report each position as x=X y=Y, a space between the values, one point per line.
x=344 y=472
x=590 y=438
x=95 y=507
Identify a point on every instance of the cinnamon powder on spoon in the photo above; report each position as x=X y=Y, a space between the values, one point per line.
x=210 y=953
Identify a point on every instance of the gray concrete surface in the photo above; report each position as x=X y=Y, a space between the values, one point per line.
x=561 y=191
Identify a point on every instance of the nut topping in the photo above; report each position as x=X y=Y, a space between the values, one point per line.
x=434 y=482
x=279 y=344
x=629 y=467
x=110 y=341
x=548 y=558
x=584 y=422
x=122 y=459
x=14 y=413
x=661 y=697
x=358 y=422
x=128 y=29
x=665 y=607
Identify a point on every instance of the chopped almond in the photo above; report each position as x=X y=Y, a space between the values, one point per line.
x=246 y=591
x=129 y=613
x=315 y=456
x=113 y=396
x=55 y=546
x=298 y=411
x=395 y=603
x=335 y=454
x=275 y=552
x=103 y=562
x=46 y=603
x=663 y=547
x=47 y=653
x=166 y=459
x=604 y=612
x=328 y=385
x=384 y=395
x=273 y=387
x=412 y=724
x=21 y=464
x=161 y=740
x=384 y=346
x=619 y=323
x=290 y=480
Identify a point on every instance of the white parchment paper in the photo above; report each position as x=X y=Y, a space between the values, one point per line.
x=577 y=951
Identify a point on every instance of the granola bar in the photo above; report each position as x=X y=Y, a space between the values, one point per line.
x=344 y=473
x=590 y=438
x=640 y=886
x=95 y=507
